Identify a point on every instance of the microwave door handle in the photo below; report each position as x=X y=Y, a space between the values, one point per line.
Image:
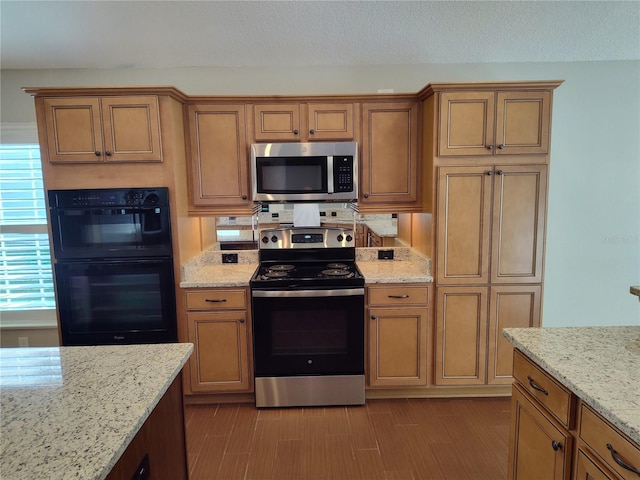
x=330 y=187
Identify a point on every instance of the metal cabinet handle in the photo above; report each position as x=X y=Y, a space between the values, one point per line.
x=621 y=462
x=295 y=132
x=500 y=172
x=366 y=195
x=107 y=153
x=374 y=317
x=398 y=296
x=535 y=386
x=97 y=153
x=490 y=173
x=490 y=147
x=312 y=131
x=215 y=300
x=501 y=146
x=244 y=197
x=556 y=445
x=242 y=320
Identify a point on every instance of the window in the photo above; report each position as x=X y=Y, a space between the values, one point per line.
x=26 y=280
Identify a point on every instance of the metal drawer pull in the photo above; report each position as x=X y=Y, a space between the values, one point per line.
x=215 y=300
x=556 y=445
x=399 y=296
x=535 y=386
x=621 y=462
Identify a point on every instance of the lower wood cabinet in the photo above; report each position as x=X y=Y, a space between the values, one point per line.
x=540 y=446
x=397 y=326
x=218 y=321
x=469 y=347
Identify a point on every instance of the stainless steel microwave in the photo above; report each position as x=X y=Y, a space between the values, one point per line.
x=294 y=172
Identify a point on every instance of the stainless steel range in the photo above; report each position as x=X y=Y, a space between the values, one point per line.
x=308 y=319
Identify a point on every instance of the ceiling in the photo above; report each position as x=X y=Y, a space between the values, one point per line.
x=164 y=34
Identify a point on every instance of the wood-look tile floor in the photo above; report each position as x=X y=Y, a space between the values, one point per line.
x=412 y=439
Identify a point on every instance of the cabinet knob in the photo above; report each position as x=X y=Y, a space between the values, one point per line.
x=242 y=320
x=490 y=147
x=312 y=131
x=107 y=153
x=490 y=172
x=295 y=132
x=366 y=195
x=244 y=197
x=97 y=153
x=501 y=146
x=500 y=172
x=374 y=317
x=556 y=445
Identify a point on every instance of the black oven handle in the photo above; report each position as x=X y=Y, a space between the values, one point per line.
x=342 y=292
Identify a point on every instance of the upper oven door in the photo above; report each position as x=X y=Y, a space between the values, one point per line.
x=109 y=232
x=308 y=332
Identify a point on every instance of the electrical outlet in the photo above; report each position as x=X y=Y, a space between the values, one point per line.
x=229 y=258
x=275 y=215
x=334 y=214
x=385 y=254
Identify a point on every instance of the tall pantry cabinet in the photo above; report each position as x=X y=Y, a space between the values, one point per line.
x=486 y=155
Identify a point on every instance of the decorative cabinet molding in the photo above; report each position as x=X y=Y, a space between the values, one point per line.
x=102 y=129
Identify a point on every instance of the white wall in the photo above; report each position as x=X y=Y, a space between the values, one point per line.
x=593 y=234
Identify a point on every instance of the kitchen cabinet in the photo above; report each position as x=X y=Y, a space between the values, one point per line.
x=389 y=178
x=491 y=222
x=96 y=129
x=305 y=122
x=397 y=335
x=219 y=328
x=469 y=347
x=600 y=440
x=218 y=159
x=488 y=123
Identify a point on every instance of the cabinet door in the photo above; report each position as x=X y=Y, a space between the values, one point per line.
x=466 y=123
x=522 y=123
x=220 y=360
x=389 y=155
x=519 y=213
x=509 y=307
x=397 y=347
x=74 y=130
x=219 y=165
x=131 y=128
x=539 y=447
x=461 y=336
x=331 y=121
x=464 y=207
x=276 y=122
x=589 y=469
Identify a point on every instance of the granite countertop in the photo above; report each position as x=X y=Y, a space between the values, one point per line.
x=601 y=365
x=207 y=269
x=70 y=412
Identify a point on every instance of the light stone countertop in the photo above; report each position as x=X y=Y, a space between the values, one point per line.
x=601 y=365
x=207 y=269
x=70 y=412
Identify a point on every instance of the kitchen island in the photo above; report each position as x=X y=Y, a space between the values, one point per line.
x=72 y=412
x=580 y=385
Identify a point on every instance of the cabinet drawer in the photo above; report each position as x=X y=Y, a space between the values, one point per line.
x=588 y=469
x=397 y=295
x=553 y=396
x=216 y=299
x=608 y=443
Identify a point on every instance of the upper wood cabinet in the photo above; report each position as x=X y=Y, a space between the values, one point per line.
x=491 y=223
x=218 y=156
x=305 y=122
x=389 y=163
x=102 y=129
x=486 y=123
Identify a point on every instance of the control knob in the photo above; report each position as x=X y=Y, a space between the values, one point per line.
x=340 y=238
x=274 y=239
x=349 y=238
x=265 y=239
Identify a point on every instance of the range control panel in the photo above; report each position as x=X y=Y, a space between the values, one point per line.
x=307 y=237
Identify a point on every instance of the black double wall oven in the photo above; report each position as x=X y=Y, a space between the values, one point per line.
x=113 y=267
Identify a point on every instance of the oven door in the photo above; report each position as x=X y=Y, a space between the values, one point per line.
x=111 y=232
x=116 y=302
x=308 y=332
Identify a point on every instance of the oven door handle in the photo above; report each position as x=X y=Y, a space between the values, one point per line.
x=344 y=292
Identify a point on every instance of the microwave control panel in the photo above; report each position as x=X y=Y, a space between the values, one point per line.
x=343 y=173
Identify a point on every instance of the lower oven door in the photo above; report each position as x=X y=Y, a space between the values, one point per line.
x=308 y=332
x=116 y=302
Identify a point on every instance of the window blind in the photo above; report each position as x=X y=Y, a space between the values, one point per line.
x=26 y=280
